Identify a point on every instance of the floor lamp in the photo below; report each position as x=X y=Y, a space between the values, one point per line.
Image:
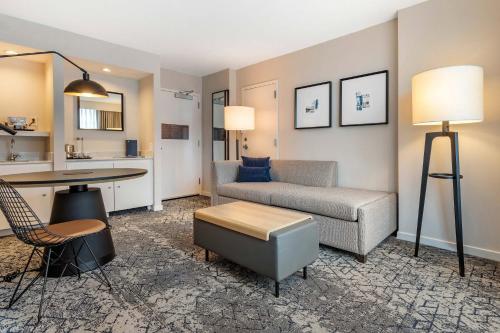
x=444 y=96
x=239 y=118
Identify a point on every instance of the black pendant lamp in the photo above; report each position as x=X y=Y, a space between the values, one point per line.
x=82 y=87
x=85 y=87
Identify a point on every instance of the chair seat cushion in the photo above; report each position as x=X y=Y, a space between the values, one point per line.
x=70 y=229
x=254 y=192
x=336 y=202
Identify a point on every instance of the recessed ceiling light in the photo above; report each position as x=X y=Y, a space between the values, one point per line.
x=106 y=69
x=10 y=52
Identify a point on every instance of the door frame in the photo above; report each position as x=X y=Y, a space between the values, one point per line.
x=169 y=90
x=263 y=84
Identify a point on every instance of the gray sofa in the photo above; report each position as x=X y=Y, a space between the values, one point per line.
x=354 y=220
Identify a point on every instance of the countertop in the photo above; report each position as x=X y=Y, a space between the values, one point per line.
x=25 y=162
x=107 y=159
x=74 y=160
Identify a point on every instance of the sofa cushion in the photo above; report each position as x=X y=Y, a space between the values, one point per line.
x=309 y=173
x=337 y=202
x=254 y=192
x=253 y=174
x=256 y=161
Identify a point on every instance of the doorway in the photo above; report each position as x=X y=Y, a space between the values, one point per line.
x=263 y=140
x=180 y=144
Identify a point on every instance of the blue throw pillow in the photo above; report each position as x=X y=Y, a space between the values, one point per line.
x=256 y=161
x=253 y=174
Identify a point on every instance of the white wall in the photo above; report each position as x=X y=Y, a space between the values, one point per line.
x=23 y=94
x=110 y=143
x=22 y=90
x=179 y=81
x=366 y=155
x=443 y=33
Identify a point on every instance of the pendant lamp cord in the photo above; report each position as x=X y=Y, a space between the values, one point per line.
x=45 y=52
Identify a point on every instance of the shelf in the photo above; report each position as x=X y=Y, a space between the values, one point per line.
x=26 y=134
x=442 y=175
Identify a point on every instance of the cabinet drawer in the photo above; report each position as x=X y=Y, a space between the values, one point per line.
x=136 y=192
x=39 y=198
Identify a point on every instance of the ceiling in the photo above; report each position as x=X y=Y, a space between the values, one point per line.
x=200 y=37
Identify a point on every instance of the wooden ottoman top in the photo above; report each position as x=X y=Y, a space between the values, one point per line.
x=250 y=219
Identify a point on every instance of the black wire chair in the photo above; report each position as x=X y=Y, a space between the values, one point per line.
x=29 y=229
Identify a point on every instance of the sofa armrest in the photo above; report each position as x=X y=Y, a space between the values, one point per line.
x=376 y=221
x=223 y=172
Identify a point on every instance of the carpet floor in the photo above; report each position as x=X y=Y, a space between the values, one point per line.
x=161 y=283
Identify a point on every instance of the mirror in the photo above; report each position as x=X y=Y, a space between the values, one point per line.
x=105 y=114
x=220 y=143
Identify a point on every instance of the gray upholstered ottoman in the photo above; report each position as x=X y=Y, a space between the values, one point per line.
x=270 y=241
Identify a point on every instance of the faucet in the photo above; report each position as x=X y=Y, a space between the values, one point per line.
x=12 y=154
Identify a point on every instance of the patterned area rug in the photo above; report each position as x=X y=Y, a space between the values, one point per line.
x=162 y=283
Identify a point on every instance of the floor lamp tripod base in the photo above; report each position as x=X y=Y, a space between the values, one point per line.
x=455 y=177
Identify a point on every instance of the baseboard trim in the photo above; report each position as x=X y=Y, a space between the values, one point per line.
x=206 y=194
x=157 y=208
x=447 y=245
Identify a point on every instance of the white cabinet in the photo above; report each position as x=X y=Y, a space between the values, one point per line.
x=123 y=194
x=136 y=192
x=39 y=198
x=107 y=190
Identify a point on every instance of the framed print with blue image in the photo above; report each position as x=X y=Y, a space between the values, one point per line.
x=313 y=106
x=364 y=99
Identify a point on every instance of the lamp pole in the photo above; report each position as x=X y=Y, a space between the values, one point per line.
x=81 y=87
x=455 y=176
x=85 y=73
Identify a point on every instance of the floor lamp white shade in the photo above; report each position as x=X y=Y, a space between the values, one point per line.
x=239 y=118
x=453 y=94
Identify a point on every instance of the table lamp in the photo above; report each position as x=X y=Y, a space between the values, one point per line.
x=444 y=96
x=239 y=118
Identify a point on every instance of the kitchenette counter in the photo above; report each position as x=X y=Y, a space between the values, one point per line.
x=69 y=160
x=25 y=162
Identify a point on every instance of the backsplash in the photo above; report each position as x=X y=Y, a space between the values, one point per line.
x=28 y=156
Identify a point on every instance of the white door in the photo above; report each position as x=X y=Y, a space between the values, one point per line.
x=263 y=140
x=181 y=157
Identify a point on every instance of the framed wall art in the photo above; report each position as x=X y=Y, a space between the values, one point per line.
x=364 y=99
x=313 y=106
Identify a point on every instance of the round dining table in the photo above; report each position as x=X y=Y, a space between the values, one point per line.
x=77 y=202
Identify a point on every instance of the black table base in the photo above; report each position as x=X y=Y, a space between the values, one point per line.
x=80 y=202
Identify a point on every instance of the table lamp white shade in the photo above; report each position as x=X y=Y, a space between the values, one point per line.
x=453 y=94
x=239 y=118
